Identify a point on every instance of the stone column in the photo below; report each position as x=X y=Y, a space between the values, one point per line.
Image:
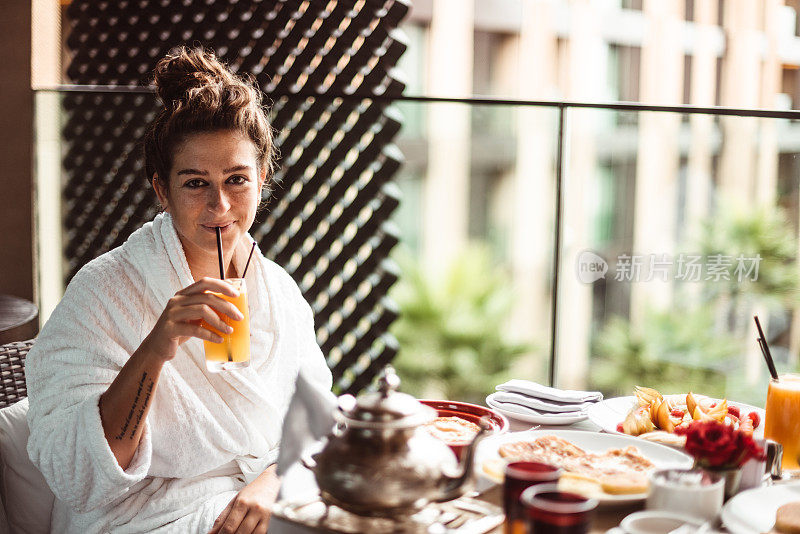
x=655 y=204
x=532 y=198
x=701 y=93
x=446 y=188
x=587 y=59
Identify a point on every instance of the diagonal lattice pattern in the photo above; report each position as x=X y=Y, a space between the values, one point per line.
x=327 y=221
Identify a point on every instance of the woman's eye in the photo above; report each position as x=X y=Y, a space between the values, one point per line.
x=194 y=183
x=238 y=179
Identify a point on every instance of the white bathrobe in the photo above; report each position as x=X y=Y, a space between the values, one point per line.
x=207 y=434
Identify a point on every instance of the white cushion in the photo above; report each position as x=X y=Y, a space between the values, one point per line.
x=27 y=498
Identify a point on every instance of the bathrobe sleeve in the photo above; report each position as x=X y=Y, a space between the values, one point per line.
x=77 y=355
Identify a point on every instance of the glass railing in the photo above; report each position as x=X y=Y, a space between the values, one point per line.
x=652 y=235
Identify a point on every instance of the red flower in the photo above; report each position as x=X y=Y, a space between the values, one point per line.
x=717 y=445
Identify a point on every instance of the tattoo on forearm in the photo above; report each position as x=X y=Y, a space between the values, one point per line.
x=137 y=408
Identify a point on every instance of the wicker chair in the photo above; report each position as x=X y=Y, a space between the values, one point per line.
x=12 y=371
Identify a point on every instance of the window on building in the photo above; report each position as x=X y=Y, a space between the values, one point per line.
x=632 y=4
x=624 y=63
x=795 y=4
x=687 y=80
x=493 y=74
x=790 y=86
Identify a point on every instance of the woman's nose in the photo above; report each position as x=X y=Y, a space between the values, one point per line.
x=218 y=201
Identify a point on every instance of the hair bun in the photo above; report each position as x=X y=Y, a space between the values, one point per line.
x=184 y=70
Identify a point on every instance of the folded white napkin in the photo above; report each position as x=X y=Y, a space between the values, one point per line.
x=564 y=396
x=308 y=419
x=520 y=409
x=539 y=404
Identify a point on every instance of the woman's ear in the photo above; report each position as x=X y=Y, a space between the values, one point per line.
x=262 y=179
x=161 y=193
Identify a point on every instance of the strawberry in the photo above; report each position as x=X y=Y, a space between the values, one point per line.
x=619 y=428
x=755 y=418
x=734 y=411
x=677 y=412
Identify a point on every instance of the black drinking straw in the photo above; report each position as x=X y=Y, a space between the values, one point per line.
x=246 y=265
x=219 y=253
x=222 y=277
x=762 y=342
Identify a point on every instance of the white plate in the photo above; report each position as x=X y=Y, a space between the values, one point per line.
x=753 y=511
x=525 y=415
x=662 y=456
x=607 y=414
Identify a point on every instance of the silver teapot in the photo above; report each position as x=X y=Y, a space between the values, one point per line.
x=380 y=461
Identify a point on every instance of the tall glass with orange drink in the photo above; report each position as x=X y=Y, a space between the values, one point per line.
x=782 y=423
x=234 y=351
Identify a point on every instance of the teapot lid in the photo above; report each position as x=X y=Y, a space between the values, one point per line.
x=386 y=407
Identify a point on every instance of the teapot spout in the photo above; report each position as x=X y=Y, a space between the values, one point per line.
x=453 y=485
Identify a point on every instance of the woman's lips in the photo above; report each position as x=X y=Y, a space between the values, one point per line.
x=223 y=228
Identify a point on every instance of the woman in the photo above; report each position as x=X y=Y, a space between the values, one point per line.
x=129 y=428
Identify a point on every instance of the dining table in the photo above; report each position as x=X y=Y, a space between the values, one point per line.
x=299 y=480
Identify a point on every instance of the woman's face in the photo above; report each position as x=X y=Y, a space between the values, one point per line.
x=214 y=182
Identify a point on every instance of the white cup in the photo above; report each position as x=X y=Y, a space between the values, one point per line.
x=692 y=492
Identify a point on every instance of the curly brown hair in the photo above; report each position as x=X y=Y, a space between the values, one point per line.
x=200 y=94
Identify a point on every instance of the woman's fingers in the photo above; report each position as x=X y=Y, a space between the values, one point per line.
x=234 y=519
x=215 y=528
x=189 y=329
x=249 y=523
x=210 y=284
x=219 y=304
x=203 y=312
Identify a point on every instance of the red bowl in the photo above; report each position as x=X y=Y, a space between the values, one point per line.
x=471 y=412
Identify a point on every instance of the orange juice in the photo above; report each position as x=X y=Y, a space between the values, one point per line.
x=782 y=422
x=234 y=351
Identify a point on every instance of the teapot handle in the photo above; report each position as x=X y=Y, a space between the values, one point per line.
x=454 y=486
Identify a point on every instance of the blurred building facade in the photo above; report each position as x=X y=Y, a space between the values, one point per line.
x=635 y=183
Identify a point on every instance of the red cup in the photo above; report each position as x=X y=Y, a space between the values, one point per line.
x=519 y=476
x=552 y=511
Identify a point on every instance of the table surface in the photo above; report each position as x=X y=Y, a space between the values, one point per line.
x=19 y=319
x=604 y=520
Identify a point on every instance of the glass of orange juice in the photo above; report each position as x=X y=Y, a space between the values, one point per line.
x=234 y=351
x=782 y=423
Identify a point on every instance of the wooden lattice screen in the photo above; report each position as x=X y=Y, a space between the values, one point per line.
x=327 y=222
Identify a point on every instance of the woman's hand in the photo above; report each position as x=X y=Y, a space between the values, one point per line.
x=181 y=318
x=249 y=511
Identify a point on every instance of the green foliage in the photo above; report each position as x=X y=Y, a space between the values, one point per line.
x=677 y=349
x=671 y=351
x=761 y=231
x=451 y=330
